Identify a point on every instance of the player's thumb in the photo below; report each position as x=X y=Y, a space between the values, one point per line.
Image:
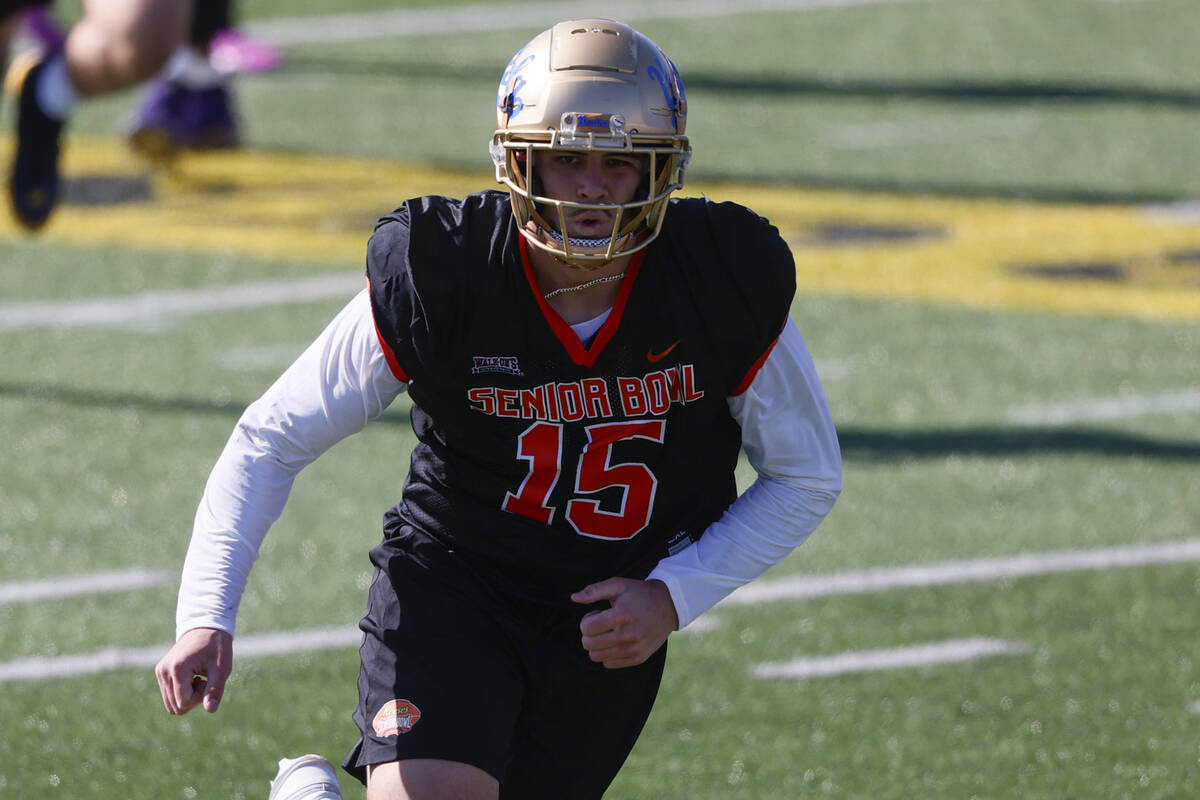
x=214 y=688
x=604 y=590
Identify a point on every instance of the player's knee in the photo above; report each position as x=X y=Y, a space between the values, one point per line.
x=145 y=57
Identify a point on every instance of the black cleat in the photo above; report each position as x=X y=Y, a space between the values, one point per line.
x=33 y=182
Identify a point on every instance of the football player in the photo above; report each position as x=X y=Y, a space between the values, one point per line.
x=114 y=45
x=585 y=355
x=190 y=104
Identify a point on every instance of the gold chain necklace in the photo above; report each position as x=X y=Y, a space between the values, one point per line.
x=582 y=286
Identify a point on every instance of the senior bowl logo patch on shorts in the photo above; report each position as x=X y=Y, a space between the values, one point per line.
x=396 y=717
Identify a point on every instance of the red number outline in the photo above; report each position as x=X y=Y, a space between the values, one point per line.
x=541 y=445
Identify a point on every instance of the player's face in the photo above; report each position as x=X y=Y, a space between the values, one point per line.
x=590 y=178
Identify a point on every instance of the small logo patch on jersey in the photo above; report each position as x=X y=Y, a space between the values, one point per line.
x=506 y=364
x=652 y=356
x=678 y=542
x=396 y=717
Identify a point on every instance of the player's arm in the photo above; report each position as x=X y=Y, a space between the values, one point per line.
x=334 y=388
x=789 y=439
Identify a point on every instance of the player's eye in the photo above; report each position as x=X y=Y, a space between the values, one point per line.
x=624 y=162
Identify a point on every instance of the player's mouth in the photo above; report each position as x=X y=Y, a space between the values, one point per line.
x=590 y=223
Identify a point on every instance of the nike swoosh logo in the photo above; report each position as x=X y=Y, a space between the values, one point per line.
x=652 y=356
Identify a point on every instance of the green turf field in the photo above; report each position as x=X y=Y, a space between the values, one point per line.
x=999 y=277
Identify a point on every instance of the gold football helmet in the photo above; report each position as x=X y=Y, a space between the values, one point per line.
x=590 y=85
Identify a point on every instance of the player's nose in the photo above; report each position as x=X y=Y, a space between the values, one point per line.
x=593 y=183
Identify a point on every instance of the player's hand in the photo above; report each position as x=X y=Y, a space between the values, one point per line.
x=195 y=669
x=639 y=619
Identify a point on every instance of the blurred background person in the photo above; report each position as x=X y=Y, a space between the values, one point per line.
x=187 y=50
x=115 y=44
x=190 y=105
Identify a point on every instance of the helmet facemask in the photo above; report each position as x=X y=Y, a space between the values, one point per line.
x=635 y=223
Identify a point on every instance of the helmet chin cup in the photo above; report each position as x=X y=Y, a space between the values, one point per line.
x=590 y=85
x=584 y=254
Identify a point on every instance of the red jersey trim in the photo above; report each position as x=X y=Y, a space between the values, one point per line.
x=584 y=357
x=753 y=373
x=392 y=362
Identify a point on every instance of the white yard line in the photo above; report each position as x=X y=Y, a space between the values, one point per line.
x=270 y=644
x=265 y=357
x=985 y=569
x=922 y=655
x=357 y=27
x=160 y=306
x=1098 y=409
x=761 y=592
x=702 y=624
x=75 y=585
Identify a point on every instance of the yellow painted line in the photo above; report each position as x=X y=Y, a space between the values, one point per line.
x=267 y=205
x=977 y=260
x=280 y=205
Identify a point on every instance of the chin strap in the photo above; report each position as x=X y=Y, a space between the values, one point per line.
x=598 y=244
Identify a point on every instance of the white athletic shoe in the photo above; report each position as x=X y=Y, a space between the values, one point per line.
x=308 y=777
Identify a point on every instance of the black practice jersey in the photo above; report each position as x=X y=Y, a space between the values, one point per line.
x=547 y=463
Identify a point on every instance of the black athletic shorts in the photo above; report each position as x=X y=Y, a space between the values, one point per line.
x=452 y=669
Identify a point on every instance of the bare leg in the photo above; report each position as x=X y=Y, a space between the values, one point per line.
x=120 y=43
x=429 y=779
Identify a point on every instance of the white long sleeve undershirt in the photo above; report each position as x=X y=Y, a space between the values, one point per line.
x=790 y=441
x=342 y=381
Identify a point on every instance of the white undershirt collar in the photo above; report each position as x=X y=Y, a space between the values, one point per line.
x=587 y=329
